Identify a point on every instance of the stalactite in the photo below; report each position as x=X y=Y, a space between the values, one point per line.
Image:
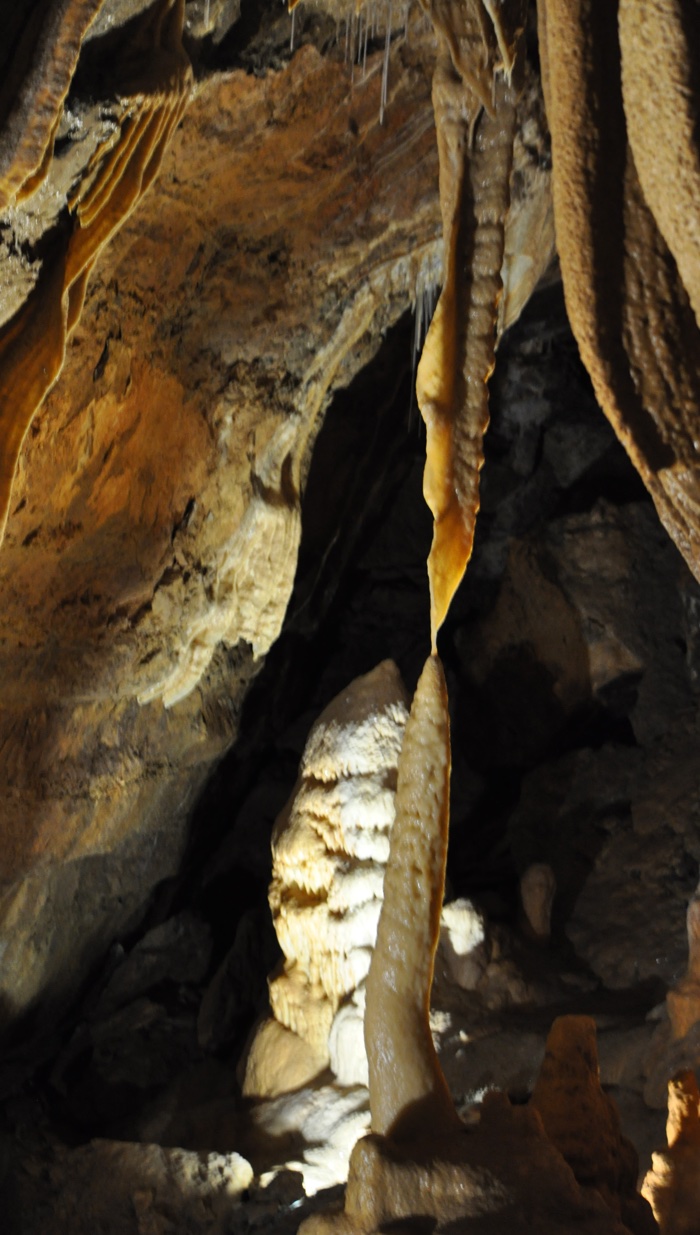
x=626 y=300
x=33 y=92
x=475 y=119
x=408 y=1092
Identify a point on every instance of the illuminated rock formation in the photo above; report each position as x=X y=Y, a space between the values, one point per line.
x=672 y=1186
x=475 y=119
x=406 y=1085
x=43 y=56
x=420 y=1162
x=329 y=854
x=33 y=342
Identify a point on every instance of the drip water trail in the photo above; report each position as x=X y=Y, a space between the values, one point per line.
x=291 y=35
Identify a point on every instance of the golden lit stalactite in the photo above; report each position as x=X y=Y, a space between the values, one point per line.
x=32 y=344
x=629 y=309
x=408 y=1092
x=474 y=106
x=34 y=86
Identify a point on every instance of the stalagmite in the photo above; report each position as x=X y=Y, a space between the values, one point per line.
x=617 y=238
x=33 y=343
x=408 y=1092
x=583 y=1123
x=672 y=1185
x=474 y=107
x=420 y=1164
x=329 y=851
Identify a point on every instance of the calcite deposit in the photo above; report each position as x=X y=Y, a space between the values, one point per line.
x=582 y=1122
x=474 y=105
x=672 y=1186
x=330 y=848
x=627 y=225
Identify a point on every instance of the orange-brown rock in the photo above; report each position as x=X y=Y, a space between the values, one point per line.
x=659 y=41
x=159 y=483
x=475 y=118
x=582 y=1122
x=407 y=1088
x=33 y=342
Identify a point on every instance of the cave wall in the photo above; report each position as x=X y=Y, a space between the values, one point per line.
x=155 y=518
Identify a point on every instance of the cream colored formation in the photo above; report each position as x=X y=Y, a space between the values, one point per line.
x=329 y=853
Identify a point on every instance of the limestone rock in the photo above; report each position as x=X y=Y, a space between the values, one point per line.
x=583 y=1123
x=279 y=1062
x=503 y=1174
x=178 y=951
x=151 y=545
x=128 y=1189
x=676 y=1043
x=672 y=1186
x=656 y=848
x=463 y=948
x=330 y=848
x=625 y=247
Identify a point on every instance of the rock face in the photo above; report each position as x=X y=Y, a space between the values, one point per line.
x=156 y=509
